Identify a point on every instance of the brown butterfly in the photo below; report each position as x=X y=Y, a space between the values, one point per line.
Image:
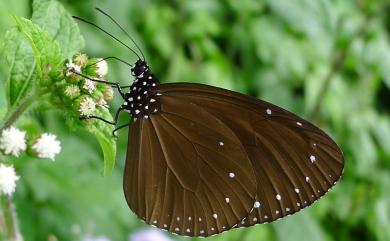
x=202 y=160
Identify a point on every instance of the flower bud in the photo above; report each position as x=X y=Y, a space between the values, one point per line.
x=80 y=59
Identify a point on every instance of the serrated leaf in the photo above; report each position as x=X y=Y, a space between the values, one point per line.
x=52 y=17
x=20 y=59
x=46 y=51
x=109 y=151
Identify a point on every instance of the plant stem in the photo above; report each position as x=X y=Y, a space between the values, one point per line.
x=11 y=231
x=8 y=222
x=14 y=113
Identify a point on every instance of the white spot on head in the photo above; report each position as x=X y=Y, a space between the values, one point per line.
x=307 y=179
x=146 y=116
x=152 y=100
x=146 y=107
x=278 y=197
x=269 y=111
x=145 y=92
x=312 y=158
x=137 y=111
x=144 y=83
x=227 y=200
x=134 y=88
x=131 y=99
x=154 y=84
x=256 y=205
x=232 y=175
x=138 y=97
x=296 y=190
x=299 y=123
x=221 y=143
x=215 y=216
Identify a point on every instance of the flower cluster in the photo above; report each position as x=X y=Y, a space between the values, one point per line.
x=13 y=142
x=84 y=96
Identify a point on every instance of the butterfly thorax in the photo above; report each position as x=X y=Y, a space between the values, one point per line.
x=140 y=100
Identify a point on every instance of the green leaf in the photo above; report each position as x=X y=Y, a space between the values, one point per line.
x=109 y=151
x=46 y=51
x=52 y=17
x=20 y=59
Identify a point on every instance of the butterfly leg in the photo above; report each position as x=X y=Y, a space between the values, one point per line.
x=118 y=128
x=104 y=120
x=112 y=84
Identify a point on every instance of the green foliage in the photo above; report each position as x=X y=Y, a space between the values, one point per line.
x=287 y=52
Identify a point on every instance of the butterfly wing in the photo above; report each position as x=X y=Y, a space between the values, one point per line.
x=192 y=178
x=294 y=162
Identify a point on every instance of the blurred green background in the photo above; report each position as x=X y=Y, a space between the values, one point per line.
x=328 y=61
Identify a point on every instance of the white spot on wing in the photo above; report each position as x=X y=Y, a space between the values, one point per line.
x=256 y=205
x=269 y=111
x=307 y=179
x=221 y=143
x=232 y=175
x=299 y=123
x=227 y=200
x=215 y=216
x=296 y=190
x=312 y=158
x=278 y=197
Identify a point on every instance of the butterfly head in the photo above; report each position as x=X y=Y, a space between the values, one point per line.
x=139 y=69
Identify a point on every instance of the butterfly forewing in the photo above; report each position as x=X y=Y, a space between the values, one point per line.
x=295 y=163
x=187 y=171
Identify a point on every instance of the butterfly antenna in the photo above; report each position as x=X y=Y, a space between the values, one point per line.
x=123 y=30
x=104 y=31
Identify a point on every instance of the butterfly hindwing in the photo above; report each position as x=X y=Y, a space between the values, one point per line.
x=189 y=176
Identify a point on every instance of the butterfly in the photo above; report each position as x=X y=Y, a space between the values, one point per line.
x=202 y=160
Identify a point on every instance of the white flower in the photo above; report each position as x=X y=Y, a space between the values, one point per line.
x=12 y=141
x=149 y=235
x=72 y=91
x=72 y=67
x=89 y=86
x=47 y=146
x=101 y=67
x=87 y=106
x=8 y=179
